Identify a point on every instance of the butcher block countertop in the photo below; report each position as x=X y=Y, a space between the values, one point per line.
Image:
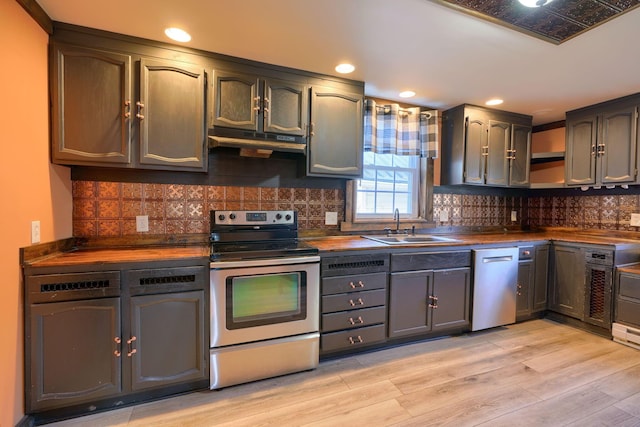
x=597 y=237
x=77 y=254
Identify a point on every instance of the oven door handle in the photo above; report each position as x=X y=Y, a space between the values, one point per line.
x=216 y=265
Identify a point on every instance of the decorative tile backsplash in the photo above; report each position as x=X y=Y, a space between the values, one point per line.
x=109 y=209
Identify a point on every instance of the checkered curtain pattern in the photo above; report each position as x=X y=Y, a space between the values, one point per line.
x=389 y=129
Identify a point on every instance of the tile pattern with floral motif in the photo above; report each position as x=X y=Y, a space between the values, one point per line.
x=109 y=209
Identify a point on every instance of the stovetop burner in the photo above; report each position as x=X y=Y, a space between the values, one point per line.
x=256 y=234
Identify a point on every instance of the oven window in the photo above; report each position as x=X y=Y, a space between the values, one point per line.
x=265 y=299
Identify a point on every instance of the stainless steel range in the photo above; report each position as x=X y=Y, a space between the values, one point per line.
x=265 y=287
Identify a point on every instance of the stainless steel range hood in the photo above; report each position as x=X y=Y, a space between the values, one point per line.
x=256 y=144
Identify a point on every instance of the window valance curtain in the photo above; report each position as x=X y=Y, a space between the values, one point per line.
x=390 y=129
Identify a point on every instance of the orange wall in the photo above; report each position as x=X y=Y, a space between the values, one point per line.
x=31 y=188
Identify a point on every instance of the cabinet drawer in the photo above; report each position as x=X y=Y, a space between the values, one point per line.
x=353 y=300
x=73 y=286
x=629 y=286
x=356 y=282
x=353 y=319
x=352 y=338
x=430 y=260
x=628 y=312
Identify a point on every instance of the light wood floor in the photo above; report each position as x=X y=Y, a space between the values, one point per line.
x=537 y=373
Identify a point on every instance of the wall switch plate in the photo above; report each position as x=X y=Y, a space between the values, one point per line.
x=142 y=223
x=331 y=218
x=444 y=216
x=635 y=220
x=514 y=216
x=35 y=231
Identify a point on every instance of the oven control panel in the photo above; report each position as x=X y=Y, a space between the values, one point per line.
x=253 y=217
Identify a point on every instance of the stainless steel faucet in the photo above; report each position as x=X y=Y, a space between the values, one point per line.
x=396 y=218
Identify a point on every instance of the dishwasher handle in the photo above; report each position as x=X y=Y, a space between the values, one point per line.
x=497 y=259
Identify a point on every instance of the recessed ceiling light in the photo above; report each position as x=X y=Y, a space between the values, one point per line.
x=177 y=34
x=494 y=101
x=534 y=3
x=407 y=94
x=345 y=68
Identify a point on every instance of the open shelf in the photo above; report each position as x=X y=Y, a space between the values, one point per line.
x=550 y=156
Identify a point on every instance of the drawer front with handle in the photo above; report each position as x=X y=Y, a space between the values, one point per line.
x=353 y=300
x=352 y=338
x=358 y=282
x=353 y=319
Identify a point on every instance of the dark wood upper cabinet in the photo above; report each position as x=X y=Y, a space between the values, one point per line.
x=601 y=143
x=96 y=115
x=260 y=104
x=91 y=94
x=481 y=146
x=171 y=115
x=336 y=137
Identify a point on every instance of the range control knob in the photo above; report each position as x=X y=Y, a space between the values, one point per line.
x=288 y=217
x=278 y=216
x=232 y=216
x=221 y=217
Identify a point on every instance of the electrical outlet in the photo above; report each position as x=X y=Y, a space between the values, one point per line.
x=444 y=216
x=635 y=220
x=514 y=216
x=142 y=223
x=35 y=231
x=331 y=218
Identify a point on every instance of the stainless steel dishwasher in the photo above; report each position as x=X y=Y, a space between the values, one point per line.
x=494 y=287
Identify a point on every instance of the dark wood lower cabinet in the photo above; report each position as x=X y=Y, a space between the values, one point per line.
x=74 y=352
x=428 y=301
x=100 y=339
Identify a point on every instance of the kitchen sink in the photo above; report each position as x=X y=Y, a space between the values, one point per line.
x=406 y=239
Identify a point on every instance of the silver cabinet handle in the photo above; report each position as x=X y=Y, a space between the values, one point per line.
x=139 y=113
x=357 y=340
x=358 y=320
x=359 y=301
x=117 y=352
x=256 y=107
x=132 y=350
x=127 y=106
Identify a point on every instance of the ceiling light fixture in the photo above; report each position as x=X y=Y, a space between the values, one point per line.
x=407 y=94
x=178 y=35
x=494 y=101
x=534 y=3
x=345 y=68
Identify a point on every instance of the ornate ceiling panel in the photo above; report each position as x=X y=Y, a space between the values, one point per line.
x=555 y=22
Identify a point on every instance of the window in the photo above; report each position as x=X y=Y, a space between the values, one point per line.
x=389 y=182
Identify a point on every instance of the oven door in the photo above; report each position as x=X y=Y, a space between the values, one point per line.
x=263 y=299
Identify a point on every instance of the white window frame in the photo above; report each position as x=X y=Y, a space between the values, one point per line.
x=424 y=215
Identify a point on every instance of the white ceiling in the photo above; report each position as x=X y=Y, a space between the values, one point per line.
x=446 y=57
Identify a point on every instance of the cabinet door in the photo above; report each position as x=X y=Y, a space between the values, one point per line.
x=91 y=94
x=617 y=146
x=475 y=149
x=520 y=154
x=167 y=339
x=540 y=278
x=171 y=115
x=568 y=281
x=408 y=303
x=74 y=352
x=499 y=142
x=450 y=299
x=525 y=285
x=286 y=107
x=236 y=100
x=580 y=160
x=336 y=137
